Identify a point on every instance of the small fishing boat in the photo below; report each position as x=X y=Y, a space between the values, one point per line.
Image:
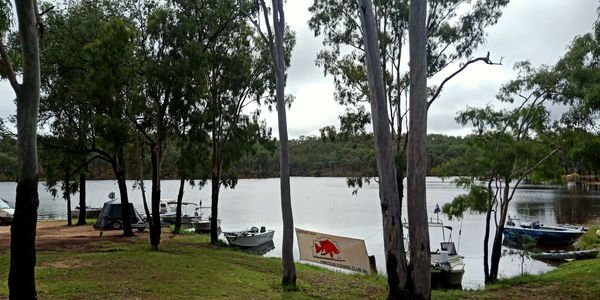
x=90 y=212
x=566 y=255
x=249 y=238
x=559 y=234
x=203 y=225
x=447 y=267
x=168 y=211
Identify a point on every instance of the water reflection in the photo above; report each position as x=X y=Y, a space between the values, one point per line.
x=261 y=249
x=558 y=206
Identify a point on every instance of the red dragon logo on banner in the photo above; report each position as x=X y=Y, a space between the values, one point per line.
x=326 y=247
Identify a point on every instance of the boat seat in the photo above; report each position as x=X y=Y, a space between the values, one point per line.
x=448 y=247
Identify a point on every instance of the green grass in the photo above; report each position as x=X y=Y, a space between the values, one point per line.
x=589 y=240
x=188 y=267
x=573 y=280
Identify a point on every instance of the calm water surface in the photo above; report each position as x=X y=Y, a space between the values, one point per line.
x=327 y=205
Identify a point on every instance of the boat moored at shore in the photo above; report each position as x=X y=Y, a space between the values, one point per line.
x=559 y=234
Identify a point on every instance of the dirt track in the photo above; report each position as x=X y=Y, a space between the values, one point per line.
x=56 y=235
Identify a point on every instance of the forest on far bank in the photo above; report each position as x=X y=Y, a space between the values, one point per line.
x=332 y=155
x=327 y=156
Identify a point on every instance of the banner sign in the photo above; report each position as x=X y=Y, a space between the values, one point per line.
x=332 y=250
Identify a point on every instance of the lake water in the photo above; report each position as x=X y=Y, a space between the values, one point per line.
x=327 y=205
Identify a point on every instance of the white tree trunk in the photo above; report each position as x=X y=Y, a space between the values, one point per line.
x=395 y=255
x=289 y=268
x=420 y=256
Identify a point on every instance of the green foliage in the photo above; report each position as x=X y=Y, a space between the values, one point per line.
x=454 y=30
x=5 y=17
x=474 y=201
x=579 y=73
x=8 y=157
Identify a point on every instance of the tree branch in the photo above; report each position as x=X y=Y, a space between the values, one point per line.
x=531 y=169
x=485 y=59
x=8 y=69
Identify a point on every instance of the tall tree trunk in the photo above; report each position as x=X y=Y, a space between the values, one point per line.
x=496 y=254
x=288 y=278
x=393 y=242
x=497 y=246
x=486 y=241
x=140 y=161
x=21 y=278
x=178 y=209
x=68 y=198
x=486 y=237
x=420 y=256
x=214 y=197
x=82 y=204
x=119 y=167
x=155 y=199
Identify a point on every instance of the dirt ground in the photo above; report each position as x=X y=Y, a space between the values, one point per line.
x=56 y=235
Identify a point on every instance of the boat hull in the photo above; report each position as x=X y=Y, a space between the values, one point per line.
x=564 y=255
x=447 y=271
x=249 y=240
x=170 y=218
x=90 y=213
x=543 y=235
x=203 y=226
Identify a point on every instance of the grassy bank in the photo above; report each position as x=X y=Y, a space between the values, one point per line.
x=188 y=267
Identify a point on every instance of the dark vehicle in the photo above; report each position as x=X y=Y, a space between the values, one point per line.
x=110 y=217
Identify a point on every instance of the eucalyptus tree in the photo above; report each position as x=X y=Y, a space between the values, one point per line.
x=108 y=89
x=279 y=44
x=454 y=29
x=239 y=75
x=578 y=74
x=507 y=146
x=85 y=88
x=420 y=257
x=21 y=278
x=65 y=109
x=395 y=257
x=195 y=62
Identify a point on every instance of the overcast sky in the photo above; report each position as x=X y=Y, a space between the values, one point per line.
x=535 y=30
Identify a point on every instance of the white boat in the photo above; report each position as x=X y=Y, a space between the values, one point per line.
x=447 y=267
x=168 y=211
x=203 y=225
x=6 y=212
x=249 y=238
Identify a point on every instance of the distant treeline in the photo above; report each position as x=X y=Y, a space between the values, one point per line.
x=309 y=156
